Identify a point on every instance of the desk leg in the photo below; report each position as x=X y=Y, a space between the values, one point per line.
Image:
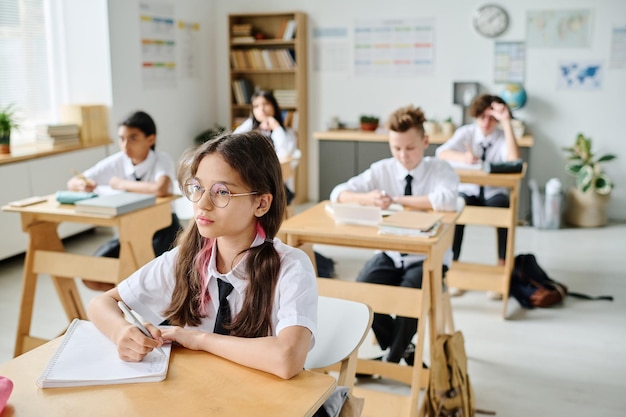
x=135 y=234
x=43 y=236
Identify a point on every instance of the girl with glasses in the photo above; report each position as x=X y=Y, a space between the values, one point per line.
x=235 y=184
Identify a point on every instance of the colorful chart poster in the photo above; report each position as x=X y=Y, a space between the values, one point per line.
x=618 y=47
x=396 y=47
x=510 y=62
x=558 y=28
x=189 y=33
x=580 y=75
x=331 y=50
x=158 y=44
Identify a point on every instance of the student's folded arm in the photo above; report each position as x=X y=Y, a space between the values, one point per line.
x=281 y=355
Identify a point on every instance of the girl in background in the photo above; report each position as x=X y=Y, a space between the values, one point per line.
x=235 y=184
x=267 y=118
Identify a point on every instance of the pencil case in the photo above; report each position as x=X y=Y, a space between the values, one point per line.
x=70 y=197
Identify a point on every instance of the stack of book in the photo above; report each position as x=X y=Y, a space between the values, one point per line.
x=92 y=120
x=411 y=223
x=243 y=90
x=58 y=134
x=241 y=33
x=285 y=98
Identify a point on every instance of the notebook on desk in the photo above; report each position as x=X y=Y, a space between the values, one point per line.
x=87 y=357
x=115 y=204
x=411 y=223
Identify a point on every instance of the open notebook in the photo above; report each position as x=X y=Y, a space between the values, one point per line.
x=87 y=357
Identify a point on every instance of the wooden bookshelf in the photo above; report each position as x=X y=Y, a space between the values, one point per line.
x=274 y=62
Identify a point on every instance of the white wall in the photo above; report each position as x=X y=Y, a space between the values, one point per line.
x=180 y=112
x=553 y=116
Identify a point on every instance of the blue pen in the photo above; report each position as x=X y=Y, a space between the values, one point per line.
x=140 y=326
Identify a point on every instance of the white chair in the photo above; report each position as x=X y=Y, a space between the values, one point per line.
x=341 y=328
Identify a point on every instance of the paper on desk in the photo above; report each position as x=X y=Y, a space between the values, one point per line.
x=87 y=357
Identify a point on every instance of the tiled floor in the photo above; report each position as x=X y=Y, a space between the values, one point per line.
x=563 y=361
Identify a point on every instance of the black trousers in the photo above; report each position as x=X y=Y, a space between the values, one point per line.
x=162 y=241
x=394 y=333
x=498 y=200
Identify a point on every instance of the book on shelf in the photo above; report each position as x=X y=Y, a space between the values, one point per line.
x=115 y=204
x=411 y=223
x=241 y=29
x=87 y=357
x=58 y=129
x=243 y=39
x=290 y=30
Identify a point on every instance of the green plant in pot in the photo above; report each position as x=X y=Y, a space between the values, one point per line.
x=8 y=121
x=587 y=202
x=368 y=122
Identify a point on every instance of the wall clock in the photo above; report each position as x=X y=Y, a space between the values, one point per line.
x=491 y=20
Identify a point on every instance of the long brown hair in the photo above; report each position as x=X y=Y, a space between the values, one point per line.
x=253 y=156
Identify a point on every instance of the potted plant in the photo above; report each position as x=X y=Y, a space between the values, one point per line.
x=368 y=122
x=8 y=121
x=431 y=127
x=586 y=202
x=447 y=127
x=209 y=134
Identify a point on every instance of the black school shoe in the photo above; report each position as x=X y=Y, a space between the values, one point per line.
x=409 y=356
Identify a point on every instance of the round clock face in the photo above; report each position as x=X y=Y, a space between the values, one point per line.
x=491 y=20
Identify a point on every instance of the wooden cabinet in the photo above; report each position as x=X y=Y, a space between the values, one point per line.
x=264 y=55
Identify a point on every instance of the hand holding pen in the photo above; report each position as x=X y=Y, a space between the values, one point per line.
x=89 y=185
x=136 y=322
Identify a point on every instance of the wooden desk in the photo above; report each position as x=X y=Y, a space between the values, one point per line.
x=472 y=276
x=46 y=255
x=315 y=225
x=197 y=384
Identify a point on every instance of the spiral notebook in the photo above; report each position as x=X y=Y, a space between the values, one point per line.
x=87 y=357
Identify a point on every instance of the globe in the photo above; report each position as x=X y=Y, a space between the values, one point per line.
x=514 y=96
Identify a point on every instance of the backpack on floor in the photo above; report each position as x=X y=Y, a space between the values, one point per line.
x=449 y=390
x=532 y=287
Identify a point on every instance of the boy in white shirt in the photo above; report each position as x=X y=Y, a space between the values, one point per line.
x=138 y=168
x=417 y=182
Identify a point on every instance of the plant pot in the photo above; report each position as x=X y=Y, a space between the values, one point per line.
x=369 y=126
x=5 y=143
x=586 y=209
x=431 y=128
x=447 y=128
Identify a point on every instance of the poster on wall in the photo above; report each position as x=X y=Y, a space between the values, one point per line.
x=618 y=47
x=580 y=75
x=189 y=33
x=558 y=28
x=510 y=62
x=331 y=50
x=396 y=47
x=158 y=44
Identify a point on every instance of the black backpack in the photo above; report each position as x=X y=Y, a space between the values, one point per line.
x=532 y=287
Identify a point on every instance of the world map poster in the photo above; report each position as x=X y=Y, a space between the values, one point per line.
x=580 y=75
x=558 y=28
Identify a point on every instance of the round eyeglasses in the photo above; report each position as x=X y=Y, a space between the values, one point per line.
x=219 y=193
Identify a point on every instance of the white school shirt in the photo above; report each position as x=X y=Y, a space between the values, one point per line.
x=432 y=177
x=149 y=290
x=284 y=139
x=156 y=165
x=472 y=136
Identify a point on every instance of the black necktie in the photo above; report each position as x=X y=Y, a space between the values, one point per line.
x=481 y=191
x=136 y=177
x=407 y=191
x=407 y=187
x=223 y=312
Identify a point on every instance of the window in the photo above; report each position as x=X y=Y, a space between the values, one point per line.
x=24 y=73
